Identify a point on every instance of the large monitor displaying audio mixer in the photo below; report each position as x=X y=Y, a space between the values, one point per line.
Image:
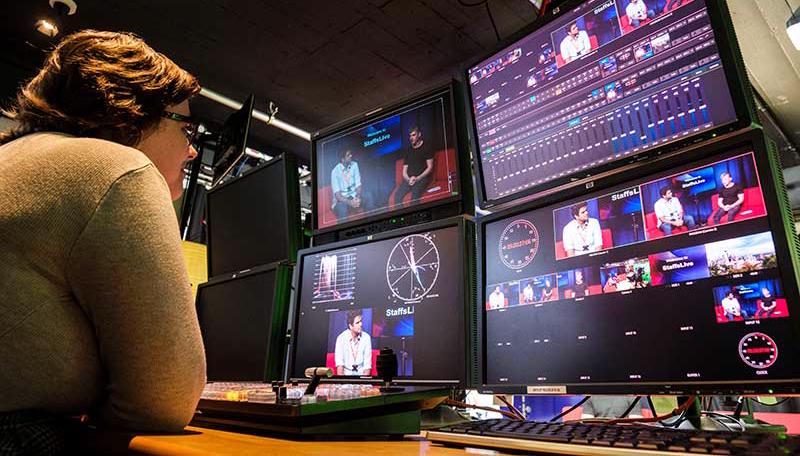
x=599 y=83
x=681 y=278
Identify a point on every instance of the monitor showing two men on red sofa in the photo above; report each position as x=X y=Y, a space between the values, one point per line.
x=406 y=157
x=723 y=192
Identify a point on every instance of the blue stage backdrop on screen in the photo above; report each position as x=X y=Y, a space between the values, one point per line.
x=679 y=265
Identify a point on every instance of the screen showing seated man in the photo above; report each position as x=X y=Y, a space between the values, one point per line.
x=598 y=224
x=724 y=192
x=353 y=345
x=400 y=292
x=579 y=283
x=588 y=32
x=403 y=158
x=750 y=301
x=692 y=297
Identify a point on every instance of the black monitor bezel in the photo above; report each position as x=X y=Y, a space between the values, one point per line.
x=291 y=212
x=247 y=108
x=465 y=227
x=729 y=144
x=735 y=75
x=272 y=362
x=454 y=90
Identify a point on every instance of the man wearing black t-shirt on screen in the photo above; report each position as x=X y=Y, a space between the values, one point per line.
x=766 y=304
x=417 y=168
x=579 y=288
x=730 y=198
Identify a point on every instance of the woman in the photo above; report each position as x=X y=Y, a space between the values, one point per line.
x=96 y=311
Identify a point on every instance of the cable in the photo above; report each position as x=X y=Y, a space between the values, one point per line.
x=739 y=423
x=488 y=11
x=769 y=405
x=740 y=404
x=478 y=407
x=511 y=407
x=543 y=9
x=567 y=411
x=654 y=419
x=630 y=407
x=491 y=18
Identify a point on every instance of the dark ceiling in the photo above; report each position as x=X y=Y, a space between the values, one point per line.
x=319 y=61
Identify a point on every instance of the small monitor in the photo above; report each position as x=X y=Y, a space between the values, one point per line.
x=232 y=141
x=254 y=219
x=393 y=160
x=407 y=290
x=600 y=83
x=243 y=323
x=678 y=277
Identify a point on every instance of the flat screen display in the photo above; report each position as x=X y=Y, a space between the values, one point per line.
x=397 y=160
x=594 y=86
x=667 y=279
x=403 y=292
x=252 y=221
x=232 y=142
x=235 y=320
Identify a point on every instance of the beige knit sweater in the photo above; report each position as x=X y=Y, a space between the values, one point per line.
x=96 y=312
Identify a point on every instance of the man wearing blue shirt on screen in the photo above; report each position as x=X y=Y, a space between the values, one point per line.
x=346 y=186
x=353 y=353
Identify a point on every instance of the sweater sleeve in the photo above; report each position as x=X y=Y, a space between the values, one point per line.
x=127 y=272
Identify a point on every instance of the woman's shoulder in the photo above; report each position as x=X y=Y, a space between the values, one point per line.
x=89 y=152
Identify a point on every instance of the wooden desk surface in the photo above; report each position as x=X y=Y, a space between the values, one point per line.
x=200 y=441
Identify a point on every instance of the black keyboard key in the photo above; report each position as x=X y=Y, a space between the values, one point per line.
x=603 y=442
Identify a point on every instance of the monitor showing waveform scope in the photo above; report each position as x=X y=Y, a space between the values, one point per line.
x=236 y=321
x=605 y=81
x=681 y=277
x=405 y=290
x=400 y=158
x=254 y=219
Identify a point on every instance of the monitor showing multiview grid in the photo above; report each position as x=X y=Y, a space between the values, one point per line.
x=682 y=279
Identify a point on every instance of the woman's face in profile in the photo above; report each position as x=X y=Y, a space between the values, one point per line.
x=169 y=149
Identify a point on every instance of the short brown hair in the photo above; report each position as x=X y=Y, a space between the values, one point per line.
x=98 y=84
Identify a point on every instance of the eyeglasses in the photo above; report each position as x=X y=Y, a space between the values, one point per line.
x=192 y=130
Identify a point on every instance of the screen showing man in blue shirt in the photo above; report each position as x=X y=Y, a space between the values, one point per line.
x=346 y=186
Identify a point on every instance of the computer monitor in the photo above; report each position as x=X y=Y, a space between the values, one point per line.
x=599 y=83
x=392 y=161
x=254 y=219
x=243 y=320
x=408 y=290
x=232 y=141
x=591 y=292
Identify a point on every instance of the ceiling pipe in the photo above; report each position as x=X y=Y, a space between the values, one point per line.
x=264 y=117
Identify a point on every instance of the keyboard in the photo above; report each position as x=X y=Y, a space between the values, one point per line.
x=609 y=439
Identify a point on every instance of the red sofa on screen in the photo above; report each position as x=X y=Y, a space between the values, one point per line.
x=439 y=178
x=325 y=203
x=608 y=242
x=753 y=206
x=330 y=361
